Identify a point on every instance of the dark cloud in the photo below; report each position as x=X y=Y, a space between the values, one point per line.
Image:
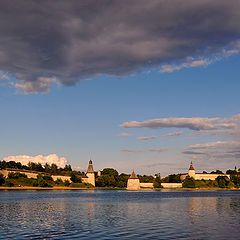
x=73 y=40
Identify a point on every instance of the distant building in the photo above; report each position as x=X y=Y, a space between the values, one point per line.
x=201 y=176
x=90 y=176
x=133 y=182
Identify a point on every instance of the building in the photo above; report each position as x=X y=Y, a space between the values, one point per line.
x=133 y=182
x=201 y=176
x=90 y=176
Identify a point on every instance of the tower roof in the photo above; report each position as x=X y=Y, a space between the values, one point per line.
x=90 y=167
x=191 y=166
x=133 y=176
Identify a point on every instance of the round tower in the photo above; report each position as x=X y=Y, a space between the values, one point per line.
x=191 y=171
x=90 y=174
x=133 y=182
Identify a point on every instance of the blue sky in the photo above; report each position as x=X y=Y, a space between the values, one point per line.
x=76 y=116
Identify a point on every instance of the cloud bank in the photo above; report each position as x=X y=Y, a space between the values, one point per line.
x=194 y=123
x=202 y=126
x=74 y=40
x=215 y=150
x=25 y=159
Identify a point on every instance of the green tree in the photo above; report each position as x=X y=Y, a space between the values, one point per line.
x=75 y=178
x=110 y=172
x=2 y=181
x=189 y=182
x=16 y=175
x=223 y=181
x=236 y=180
x=66 y=183
x=157 y=182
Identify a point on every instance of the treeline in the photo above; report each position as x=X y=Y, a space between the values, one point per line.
x=52 y=169
x=17 y=179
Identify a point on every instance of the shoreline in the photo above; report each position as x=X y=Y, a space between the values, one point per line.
x=78 y=188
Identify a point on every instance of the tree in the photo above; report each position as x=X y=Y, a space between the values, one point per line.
x=223 y=181
x=157 y=182
x=68 y=168
x=217 y=172
x=110 y=172
x=236 y=180
x=189 y=182
x=2 y=181
x=75 y=178
x=174 y=178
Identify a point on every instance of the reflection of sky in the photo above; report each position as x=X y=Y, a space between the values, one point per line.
x=119 y=214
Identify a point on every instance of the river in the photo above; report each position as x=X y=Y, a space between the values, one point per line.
x=119 y=214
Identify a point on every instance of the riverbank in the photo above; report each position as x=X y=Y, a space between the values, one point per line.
x=42 y=188
x=98 y=188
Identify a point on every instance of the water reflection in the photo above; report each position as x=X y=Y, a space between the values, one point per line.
x=119 y=215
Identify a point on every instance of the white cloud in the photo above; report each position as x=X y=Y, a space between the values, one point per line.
x=144 y=150
x=4 y=77
x=194 y=123
x=189 y=62
x=146 y=138
x=201 y=61
x=218 y=144
x=41 y=85
x=173 y=134
x=124 y=134
x=214 y=150
x=51 y=158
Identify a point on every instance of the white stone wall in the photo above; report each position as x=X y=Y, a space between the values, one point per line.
x=146 y=185
x=91 y=178
x=133 y=184
x=171 y=185
x=208 y=176
x=63 y=178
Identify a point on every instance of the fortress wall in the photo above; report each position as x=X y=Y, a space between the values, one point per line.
x=202 y=176
x=63 y=178
x=85 y=180
x=171 y=185
x=28 y=174
x=146 y=185
x=183 y=176
x=4 y=172
x=91 y=178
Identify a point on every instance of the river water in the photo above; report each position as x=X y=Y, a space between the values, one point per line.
x=112 y=214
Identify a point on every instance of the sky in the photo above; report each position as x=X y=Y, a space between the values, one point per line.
x=135 y=85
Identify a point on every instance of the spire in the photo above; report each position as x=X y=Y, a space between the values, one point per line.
x=90 y=167
x=133 y=176
x=191 y=166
